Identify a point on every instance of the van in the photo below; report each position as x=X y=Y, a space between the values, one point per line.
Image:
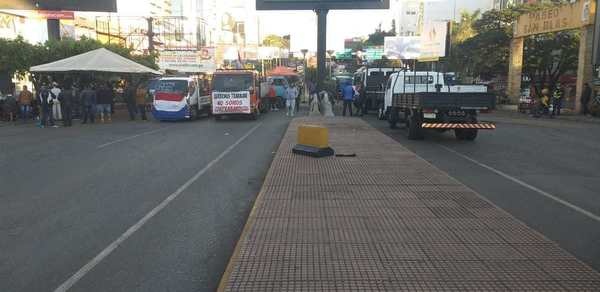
x=180 y=98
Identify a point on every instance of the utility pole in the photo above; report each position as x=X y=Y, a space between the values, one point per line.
x=321 y=47
x=150 y=34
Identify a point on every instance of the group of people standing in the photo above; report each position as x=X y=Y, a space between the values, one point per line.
x=291 y=99
x=550 y=104
x=548 y=101
x=52 y=104
x=94 y=101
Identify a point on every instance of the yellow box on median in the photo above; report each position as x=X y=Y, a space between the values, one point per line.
x=313 y=136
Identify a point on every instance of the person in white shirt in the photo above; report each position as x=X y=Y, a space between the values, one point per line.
x=291 y=94
x=56 y=110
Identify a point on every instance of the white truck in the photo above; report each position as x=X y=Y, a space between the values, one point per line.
x=422 y=101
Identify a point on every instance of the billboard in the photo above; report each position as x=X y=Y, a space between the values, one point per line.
x=321 y=4
x=403 y=48
x=433 y=41
x=71 y=5
x=202 y=60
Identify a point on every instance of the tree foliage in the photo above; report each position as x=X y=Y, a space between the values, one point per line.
x=481 y=47
x=17 y=56
x=377 y=38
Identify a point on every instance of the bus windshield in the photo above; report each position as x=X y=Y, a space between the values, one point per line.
x=232 y=82
x=172 y=86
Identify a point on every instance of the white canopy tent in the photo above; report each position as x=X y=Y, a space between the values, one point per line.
x=100 y=60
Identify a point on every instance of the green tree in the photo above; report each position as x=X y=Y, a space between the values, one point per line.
x=484 y=49
x=15 y=56
x=378 y=37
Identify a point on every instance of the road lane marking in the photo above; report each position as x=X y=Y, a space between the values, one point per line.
x=115 y=244
x=528 y=186
x=130 y=137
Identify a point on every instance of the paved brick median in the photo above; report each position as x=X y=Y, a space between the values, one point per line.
x=387 y=220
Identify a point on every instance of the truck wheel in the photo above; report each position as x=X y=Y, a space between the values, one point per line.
x=415 y=130
x=393 y=118
x=466 y=134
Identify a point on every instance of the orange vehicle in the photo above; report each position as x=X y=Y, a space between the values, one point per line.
x=236 y=92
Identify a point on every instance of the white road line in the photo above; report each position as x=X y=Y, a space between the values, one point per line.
x=131 y=137
x=528 y=186
x=110 y=248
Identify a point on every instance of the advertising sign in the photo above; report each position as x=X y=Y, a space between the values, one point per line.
x=231 y=102
x=564 y=17
x=433 y=41
x=321 y=4
x=188 y=61
x=46 y=14
x=73 y=5
x=404 y=48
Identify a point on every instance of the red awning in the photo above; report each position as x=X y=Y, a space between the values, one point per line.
x=283 y=71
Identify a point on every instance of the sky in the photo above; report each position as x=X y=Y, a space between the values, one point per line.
x=342 y=24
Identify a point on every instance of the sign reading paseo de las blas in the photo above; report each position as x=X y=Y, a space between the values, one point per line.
x=564 y=17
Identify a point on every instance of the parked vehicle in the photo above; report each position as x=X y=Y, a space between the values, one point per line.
x=236 y=92
x=373 y=80
x=423 y=101
x=179 y=98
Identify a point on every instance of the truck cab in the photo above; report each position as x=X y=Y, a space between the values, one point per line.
x=236 y=92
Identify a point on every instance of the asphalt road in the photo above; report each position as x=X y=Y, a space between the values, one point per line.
x=544 y=172
x=130 y=206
